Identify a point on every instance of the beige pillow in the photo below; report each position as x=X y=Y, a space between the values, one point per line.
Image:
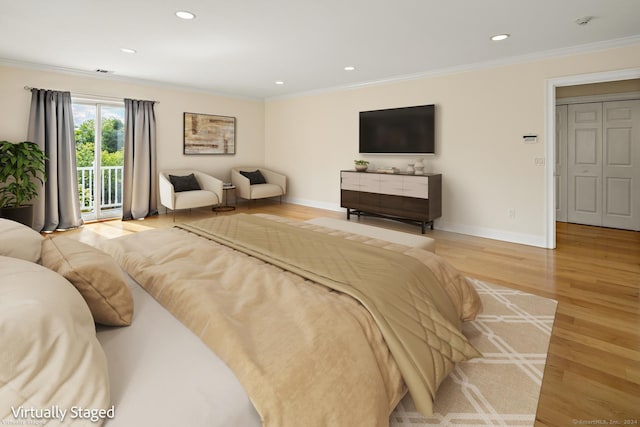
x=19 y=241
x=95 y=274
x=49 y=353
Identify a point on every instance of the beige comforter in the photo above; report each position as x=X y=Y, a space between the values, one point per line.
x=305 y=354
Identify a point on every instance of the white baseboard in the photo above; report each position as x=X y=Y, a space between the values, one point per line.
x=488 y=233
x=315 y=204
x=492 y=233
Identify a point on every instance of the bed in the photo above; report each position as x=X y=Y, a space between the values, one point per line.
x=291 y=344
x=305 y=343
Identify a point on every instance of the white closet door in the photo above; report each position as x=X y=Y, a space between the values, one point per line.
x=584 y=164
x=621 y=168
x=560 y=168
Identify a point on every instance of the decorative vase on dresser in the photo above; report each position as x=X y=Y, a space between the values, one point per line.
x=418 y=167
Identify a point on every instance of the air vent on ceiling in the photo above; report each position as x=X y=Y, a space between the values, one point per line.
x=584 y=20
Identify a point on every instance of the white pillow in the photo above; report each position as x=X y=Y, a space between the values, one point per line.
x=19 y=241
x=49 y=353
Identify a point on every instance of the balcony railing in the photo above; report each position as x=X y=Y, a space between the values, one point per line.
x=111 y=185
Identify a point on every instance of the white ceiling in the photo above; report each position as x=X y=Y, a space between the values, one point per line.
x=242 y=47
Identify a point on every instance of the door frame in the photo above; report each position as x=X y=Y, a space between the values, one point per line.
x=550 y=131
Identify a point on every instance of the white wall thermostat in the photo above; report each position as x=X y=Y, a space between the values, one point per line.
x=530 y=139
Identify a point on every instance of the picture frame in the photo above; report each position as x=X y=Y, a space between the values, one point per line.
x=208 y=134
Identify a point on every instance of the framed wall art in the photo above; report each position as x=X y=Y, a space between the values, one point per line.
x=209 y=134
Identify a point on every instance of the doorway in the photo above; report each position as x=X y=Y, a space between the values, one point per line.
x=598 y=157
x=99 y=135
x=550 y=135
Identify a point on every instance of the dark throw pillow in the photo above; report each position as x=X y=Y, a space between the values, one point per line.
x=184 y=183
x=255 y=177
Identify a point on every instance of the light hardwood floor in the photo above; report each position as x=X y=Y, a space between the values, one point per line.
x=592 y=373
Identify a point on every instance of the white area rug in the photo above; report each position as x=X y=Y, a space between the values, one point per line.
x=502 y=388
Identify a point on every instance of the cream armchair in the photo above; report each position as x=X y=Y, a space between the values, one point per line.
x=275 y=186
x=210 y=193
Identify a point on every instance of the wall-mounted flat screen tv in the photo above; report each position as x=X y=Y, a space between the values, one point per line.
x=408 y=130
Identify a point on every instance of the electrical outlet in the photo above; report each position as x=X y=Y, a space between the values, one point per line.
x=512 y=213
x=539 y=161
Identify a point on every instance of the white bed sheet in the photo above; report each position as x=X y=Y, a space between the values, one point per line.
x=162 y=374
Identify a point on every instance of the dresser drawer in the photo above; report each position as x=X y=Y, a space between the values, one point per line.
x=416 y=187
x=350 y=181
x=369 y=182
x=391 y=184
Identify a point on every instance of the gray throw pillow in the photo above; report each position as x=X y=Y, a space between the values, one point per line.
x=184 y=183
x=255 y=177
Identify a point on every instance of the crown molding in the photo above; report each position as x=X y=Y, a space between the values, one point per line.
x=122 y=79
x=569 y=51
x=513 y=60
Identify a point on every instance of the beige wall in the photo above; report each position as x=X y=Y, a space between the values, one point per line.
x=621 y=86
x=15 y=102
x=481 y=118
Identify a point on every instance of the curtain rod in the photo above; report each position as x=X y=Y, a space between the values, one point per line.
x=112 y=98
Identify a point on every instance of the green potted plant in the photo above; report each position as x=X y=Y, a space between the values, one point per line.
x=361 y=165
x=21 y=164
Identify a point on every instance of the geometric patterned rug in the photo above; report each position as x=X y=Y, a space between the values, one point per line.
x=502 y=387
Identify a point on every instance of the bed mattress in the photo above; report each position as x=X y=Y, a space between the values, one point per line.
x=161 y=374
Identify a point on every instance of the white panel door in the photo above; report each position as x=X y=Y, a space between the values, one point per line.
x=584 y=164
x=560 y=168
x=621 y=167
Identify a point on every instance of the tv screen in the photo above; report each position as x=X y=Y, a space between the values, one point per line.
x=408 y=130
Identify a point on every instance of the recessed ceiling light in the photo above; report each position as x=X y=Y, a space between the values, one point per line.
x=499 y=37
x=184 y=14
x=127 y=50
x=349 y=68
x=279 y=82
